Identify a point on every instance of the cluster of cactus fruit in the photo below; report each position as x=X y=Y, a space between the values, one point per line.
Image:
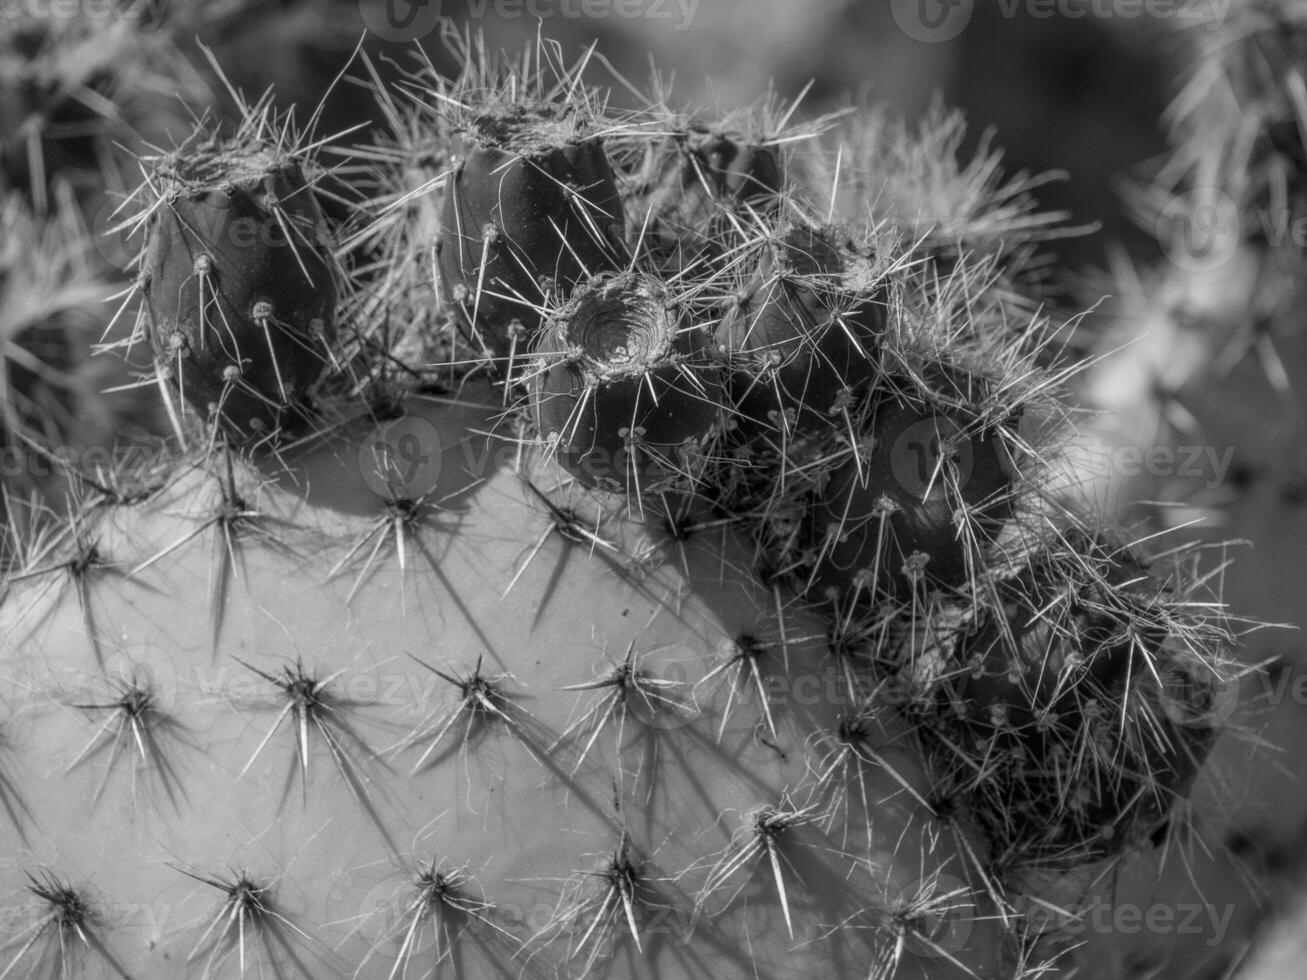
x=589 y=559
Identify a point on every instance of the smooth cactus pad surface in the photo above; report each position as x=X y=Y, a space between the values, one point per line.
x=646 y=789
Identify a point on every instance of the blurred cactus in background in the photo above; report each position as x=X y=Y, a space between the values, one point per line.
x=1203 y=367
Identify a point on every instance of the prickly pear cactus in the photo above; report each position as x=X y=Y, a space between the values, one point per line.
x=705 y=609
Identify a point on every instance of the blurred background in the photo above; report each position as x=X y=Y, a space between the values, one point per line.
x=1076 y=86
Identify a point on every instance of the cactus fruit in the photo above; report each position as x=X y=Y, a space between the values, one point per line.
x=679 y=191
x=531 y=210
x=556 y=658
x=799 y=353
x=239 y=279
x=966 y=217
x=624 y=384
x=1081 y=623
x=915 y=506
